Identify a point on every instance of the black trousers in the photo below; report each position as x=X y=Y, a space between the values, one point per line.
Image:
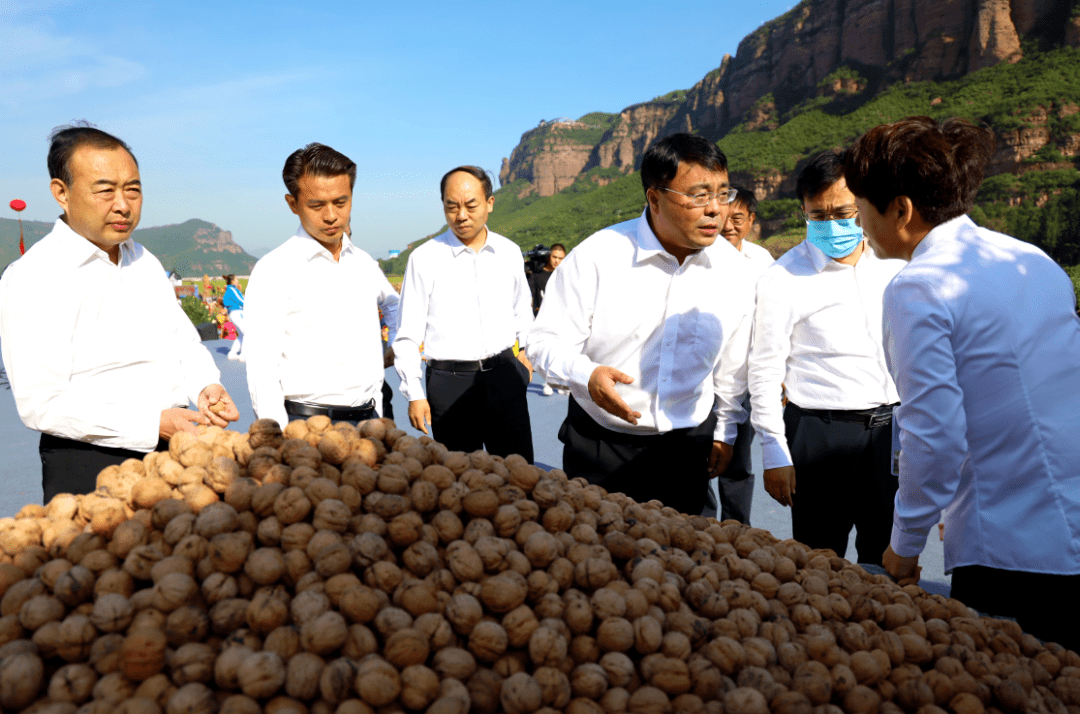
x=477 y=410
x=69 y=466
x=736 y=486
x=843 y=479
x=387 y=401
x=671 y=467
x=1043 y=604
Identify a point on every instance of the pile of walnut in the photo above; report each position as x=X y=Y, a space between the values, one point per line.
x=330 y=570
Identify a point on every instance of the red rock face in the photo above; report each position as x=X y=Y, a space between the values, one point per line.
x=890 y=40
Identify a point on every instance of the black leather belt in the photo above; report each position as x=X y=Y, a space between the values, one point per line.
x=879 y=416
x=473 y=365
x=304 y=409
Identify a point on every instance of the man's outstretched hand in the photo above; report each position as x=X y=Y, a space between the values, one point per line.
x=602 y=391
x=177 y=420
x=217 y=406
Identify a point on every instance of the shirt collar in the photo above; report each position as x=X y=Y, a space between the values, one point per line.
x=312 y=249
x=648 y=245
x=820 y=261
x=457 y=247
x=79 y=250
x=941 y=232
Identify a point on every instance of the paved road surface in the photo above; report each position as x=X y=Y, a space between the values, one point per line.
x=20 y=471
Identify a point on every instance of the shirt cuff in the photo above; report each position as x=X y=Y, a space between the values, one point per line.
x=581 y=370
x=775 y=455
x=726 y=432
x=907 y=544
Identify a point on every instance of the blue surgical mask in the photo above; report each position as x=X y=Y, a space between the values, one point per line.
x=837 y=238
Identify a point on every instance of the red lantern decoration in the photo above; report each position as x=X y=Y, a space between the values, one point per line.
x=18 y=205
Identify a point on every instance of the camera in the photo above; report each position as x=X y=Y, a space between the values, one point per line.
x=537 y=258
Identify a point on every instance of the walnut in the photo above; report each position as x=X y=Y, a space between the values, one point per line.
x=142 y=654
x=72 y=683
x=261 y=675
x=192 y=662
x=302 y=675
x=192 y=698
x=22 y=677
x=324 y=634
x=377 y=682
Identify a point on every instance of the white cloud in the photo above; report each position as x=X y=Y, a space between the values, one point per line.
x=39 y=64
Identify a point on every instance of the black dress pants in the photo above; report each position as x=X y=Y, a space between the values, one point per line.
x=843 y=479
x=1043 y=604
x=482 y=409
x=736 y=486
x=69 y=466
x=671 y=467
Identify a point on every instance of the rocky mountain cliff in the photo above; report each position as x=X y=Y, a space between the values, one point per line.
x=819 y=48
x=191 y=248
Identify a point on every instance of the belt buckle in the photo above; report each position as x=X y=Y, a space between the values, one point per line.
x=482 y=368
x=875 y=420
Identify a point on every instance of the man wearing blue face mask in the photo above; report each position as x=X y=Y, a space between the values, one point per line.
x=817 y=332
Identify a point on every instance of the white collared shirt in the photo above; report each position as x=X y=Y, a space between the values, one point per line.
x=313 y=330
x=984 y=341
x=96 y=351
x=461 y=304
x=817 y=331
x=681 y=332
x=758 y=256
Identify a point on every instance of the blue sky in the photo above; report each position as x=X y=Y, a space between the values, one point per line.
x=212 y=96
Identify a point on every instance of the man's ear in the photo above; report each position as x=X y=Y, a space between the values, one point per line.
x=652 y=196
x=59 y=192
x=905 y=212
x=291 y=200
x=491 y=203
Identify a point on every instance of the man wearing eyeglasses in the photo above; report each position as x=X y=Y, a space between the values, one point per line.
x=729 y=497
x=648 y=321
x=817 y=332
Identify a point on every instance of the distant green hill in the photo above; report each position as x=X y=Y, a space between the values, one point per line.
x=191 y=248
x=1038 y=200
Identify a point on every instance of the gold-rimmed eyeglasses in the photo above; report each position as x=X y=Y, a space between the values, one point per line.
x=700 y=200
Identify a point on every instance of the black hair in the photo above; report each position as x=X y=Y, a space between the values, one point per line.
x=475 y=171
x=938 y=166
x=662 y=159
x=316 y=159
x=64 y=140
x=823 y=171
x=746 y=197
x=560 y=246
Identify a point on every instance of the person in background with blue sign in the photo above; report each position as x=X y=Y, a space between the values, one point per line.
x=234 y=303
x=817 y=334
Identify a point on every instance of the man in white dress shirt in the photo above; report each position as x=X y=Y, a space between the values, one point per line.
x=648 y=322
x=735 y=488
x=817 y=332
x=105 y=365
x=466 y=299
x=983 y=338
x=313 y=341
